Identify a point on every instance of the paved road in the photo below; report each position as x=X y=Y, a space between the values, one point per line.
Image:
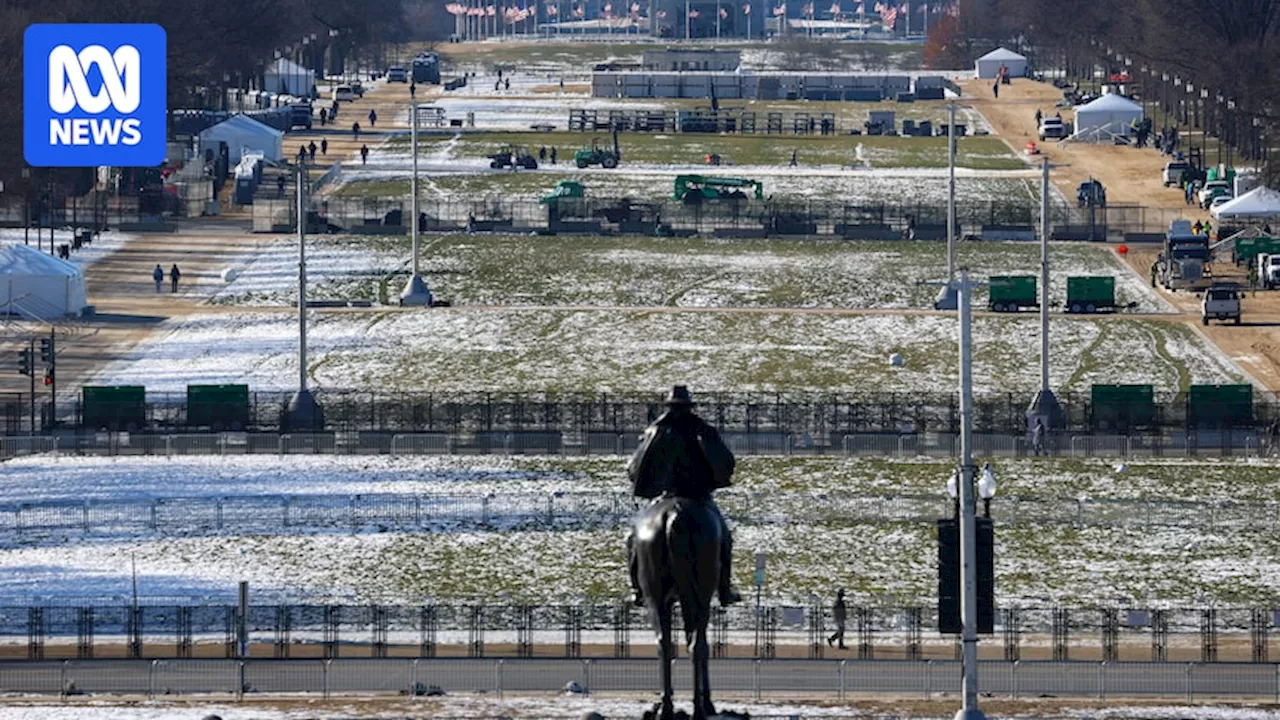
x=773 y=678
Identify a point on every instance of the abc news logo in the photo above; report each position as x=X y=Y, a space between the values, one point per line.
x=94 y=95
x=121 y=90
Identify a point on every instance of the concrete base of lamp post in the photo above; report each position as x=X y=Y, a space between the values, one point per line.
x=304 y=413
x=415 y=292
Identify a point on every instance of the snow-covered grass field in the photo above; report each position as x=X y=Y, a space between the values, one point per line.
x=879 y=563
x=102 y=245
x=546 y=349
x=643 y=271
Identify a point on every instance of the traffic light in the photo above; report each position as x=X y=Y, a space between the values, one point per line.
x=24 y=362
x=46 y=350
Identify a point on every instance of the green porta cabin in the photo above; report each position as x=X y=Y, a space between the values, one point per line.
x=1091 y=294
x=1011 y=293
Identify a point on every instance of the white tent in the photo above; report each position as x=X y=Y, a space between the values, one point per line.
x=287 y=77
x=34 y=284
x=1108 y=114
x=1258 y=205
x=988 y=66
x=242 y=133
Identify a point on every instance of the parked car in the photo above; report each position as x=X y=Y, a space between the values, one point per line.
x=1220 y=200
x=344 y=93
x=1221 y=302
x=1052 y=127
x=397 y=74
x=1175 y=172
x=1268 y=270
x=1091 y=194
x=1213 y=189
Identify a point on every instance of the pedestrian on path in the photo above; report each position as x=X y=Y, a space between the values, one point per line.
x=364 y=154
x=1189 y=189
x=553 y=156
x=373 y=118
x=1037 y=437
x=279 y=188
x=324 y=146
x=355 y=131
x=158 y=276
x=413 y=90
x=1039 y=116
x=1253 y=279
x=311 y=150
x=302 y=154
x=324 y=116
x=793 y=157
x=174 y=274
x=995 y=89
x=841 y=615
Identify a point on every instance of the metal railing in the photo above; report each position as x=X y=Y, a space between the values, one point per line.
x=57 y=520
x=731 y=678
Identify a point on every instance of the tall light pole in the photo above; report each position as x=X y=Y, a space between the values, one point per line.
x=303 y=413
x=1044 y=407
x=968 y=523
x=415 y=291
x=948 y=298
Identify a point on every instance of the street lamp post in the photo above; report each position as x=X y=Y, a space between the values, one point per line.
x=303 y=412
x=948 y=297
x=968 y=523
x=1044 y=407
x=415 y=290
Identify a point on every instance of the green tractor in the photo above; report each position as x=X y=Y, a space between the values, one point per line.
x=596 y=155
x=564 y=189
x=697 y=189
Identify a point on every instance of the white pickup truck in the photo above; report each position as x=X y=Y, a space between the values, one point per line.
x=1221 y=302
x=1053 y=128
x=1268 y=270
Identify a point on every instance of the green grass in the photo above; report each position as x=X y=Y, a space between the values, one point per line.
x=979 y=153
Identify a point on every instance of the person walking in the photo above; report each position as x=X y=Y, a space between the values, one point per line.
x=324 y=116
x=302 y=154
x=364 y=154
x=355 y=131
x=542 y=154
x=1037 y=437
x=279 y=188
x=158 y=276
x=311 y=151
x=1039 y=117
x=1253 y=279
x=841 y=615
x=995 y=89
x=413 y=90
x=373 y=118
x=680 y=454
x=324 y=146
x=1189 y=189
x=506 y=84
x=174 y=274
x=553 y=156
x=793 y=157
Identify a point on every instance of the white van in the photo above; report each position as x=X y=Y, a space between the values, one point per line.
x=344 y=93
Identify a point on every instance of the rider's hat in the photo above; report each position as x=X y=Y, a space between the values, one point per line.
x=679 y=397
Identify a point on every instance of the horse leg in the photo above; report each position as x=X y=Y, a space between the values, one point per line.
x=700 y=654
x=661 y=609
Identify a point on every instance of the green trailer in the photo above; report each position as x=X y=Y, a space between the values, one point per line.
x=1120 y=408
x=219 y=407
x=122 y=407
x=1220 y=406
x=1011 y=293
x=1091 y=294
x=1247 y=249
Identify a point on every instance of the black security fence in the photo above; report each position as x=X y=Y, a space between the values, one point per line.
x=817 y=419
x=1004 y=219
x=165 y=628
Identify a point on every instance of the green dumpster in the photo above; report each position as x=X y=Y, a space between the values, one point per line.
x=1011 y=293
x=219 y=407
x=1091 y=294
x=122 y=407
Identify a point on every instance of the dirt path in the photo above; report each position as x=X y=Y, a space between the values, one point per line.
x=1134 y=176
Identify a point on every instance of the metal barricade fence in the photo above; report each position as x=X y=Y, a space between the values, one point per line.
x=422 y=444
x=31 y=445
x=1100 y=446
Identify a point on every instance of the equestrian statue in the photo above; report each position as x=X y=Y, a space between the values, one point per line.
x=679 y=550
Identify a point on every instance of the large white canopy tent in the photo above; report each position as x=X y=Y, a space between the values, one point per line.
x=242 y=133
x=37 y=285
x=988 y=66
x=287 y=77
x=1259 y=205
x=1108 y=115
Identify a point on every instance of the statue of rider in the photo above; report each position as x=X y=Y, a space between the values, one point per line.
x=682 y=455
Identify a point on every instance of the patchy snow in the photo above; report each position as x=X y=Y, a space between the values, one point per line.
x=626 y=349
x=347 y=268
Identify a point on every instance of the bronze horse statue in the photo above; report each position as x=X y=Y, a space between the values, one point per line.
x=677 y=551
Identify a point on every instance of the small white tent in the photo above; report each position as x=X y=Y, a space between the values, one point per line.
x=242 y=133
x=1258 y=205
x=988 y=66
x=287 y=77
x=1111 y=113
x=34 y=284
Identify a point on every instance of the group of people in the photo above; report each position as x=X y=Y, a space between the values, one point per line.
x=1141 y=130
x=158 y=276
x=542 y=155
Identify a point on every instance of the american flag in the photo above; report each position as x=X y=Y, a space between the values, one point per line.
x=889 y=16
x=635 y=8
x=954 y=10
x=552 y=9
x=835 y=8
x=746 y=9
x=608 y=8
x=724 y=14
x=693 y=14
x=662 y=14
x=808 y=9
x=579 y=11
x=491 y=11
x=780 y=10
x=475 y=12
